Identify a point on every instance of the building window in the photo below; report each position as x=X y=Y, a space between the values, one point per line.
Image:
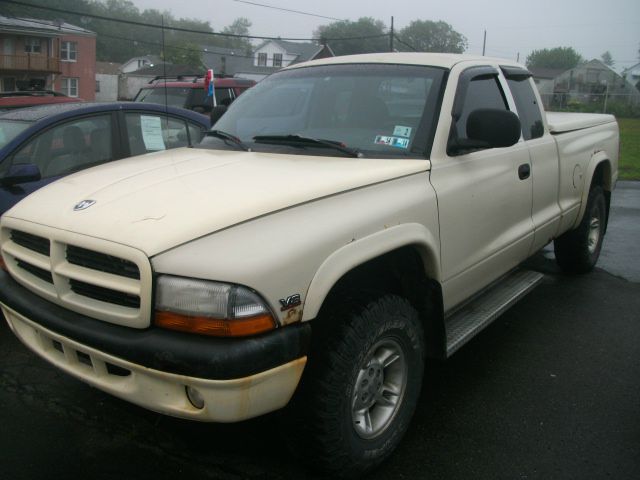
x=277 y=59
x=262 y=59
x=8 y=84
x=70 y=87
x=32 y=45
x=97 y=85
x=68 y=51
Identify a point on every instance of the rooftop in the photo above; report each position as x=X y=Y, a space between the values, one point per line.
x=38 y=25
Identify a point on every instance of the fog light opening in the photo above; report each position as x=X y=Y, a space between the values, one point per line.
x=195 y=398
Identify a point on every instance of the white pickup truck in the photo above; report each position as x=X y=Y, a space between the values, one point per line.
x=345 y=219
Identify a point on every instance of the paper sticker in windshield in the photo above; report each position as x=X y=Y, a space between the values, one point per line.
x=392 y=141
x=152 y=132
x=401 y=131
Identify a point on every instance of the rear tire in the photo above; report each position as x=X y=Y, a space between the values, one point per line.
x=361 y=386
x=577 y=251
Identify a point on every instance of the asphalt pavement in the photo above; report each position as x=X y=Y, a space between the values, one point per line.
x=551 y=390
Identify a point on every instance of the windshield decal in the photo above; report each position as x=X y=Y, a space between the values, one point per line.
x=392 y=141
x=402 y=131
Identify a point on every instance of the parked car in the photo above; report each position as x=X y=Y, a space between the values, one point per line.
x=30 y=98
x=188 y=91
x=41 y=144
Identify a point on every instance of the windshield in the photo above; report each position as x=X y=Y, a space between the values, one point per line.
x=379 y=110
x=10 y=129
x=174 y=96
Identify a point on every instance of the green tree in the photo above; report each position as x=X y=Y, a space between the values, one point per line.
x=184 y=53
x=240 y=26
x=607 y=58
x=559 y=57
x=376 y=39
x=428 y=36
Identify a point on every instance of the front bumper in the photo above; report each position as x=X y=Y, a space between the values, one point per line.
x=236 y=378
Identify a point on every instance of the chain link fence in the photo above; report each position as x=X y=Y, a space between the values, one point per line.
x=618 y=104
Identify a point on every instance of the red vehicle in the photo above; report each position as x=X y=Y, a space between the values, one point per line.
x=31 y=98
x=188 y=91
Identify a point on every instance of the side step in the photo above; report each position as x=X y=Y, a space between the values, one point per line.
x=465 y=323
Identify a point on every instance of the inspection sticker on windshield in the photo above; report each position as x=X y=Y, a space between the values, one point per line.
x=392 y=141
x=401 y=131
x=152 y=132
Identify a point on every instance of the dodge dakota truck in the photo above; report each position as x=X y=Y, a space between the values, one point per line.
x=344 y=219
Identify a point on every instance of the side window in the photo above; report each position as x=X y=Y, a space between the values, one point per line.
x=528 y=108
x=69 y=147
x=196 y=132
x=151 y=133
x=483 y=92
x=224 y=96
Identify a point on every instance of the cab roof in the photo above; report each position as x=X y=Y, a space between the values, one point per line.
x=442 y=60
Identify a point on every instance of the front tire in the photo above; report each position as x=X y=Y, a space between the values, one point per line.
x=362 y=385
x=577 y=251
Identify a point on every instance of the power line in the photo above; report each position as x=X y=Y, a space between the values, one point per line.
x=405 y=43
x=180 y=29
x=288 y=10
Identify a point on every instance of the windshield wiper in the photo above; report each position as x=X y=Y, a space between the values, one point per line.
x=300 y=140
x=228 y=136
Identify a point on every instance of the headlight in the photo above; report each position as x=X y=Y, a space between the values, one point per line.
x=210 y=308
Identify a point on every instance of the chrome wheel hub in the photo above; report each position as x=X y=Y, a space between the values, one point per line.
x=594 y=234
x=379 y=389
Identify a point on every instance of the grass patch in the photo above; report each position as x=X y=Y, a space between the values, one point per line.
x=629 y=166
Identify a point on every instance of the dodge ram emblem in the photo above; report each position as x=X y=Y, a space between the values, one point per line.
x=83 y=205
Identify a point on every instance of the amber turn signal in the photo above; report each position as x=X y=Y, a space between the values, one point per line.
x=239 y=327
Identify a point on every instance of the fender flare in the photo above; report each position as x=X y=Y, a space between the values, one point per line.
x=596 y=159
x=346 y=258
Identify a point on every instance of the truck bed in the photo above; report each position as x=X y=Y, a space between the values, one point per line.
x=560 y=122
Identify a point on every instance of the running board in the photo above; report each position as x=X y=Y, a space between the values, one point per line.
x=465 y=323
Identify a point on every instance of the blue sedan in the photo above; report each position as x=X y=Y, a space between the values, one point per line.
x=41 y=144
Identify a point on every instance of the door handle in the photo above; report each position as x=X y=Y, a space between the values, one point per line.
x=524 y=171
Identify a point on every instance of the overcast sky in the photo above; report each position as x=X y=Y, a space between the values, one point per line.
x=513 y=26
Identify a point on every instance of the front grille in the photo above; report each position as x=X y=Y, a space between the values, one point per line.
x=35 y=271
x=104 y=294
x=32 y=242
x=102 y=262
x=98 y=278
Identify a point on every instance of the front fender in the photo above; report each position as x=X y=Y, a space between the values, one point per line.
x=362 y=250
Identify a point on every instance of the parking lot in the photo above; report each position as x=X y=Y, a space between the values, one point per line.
x=551 y=390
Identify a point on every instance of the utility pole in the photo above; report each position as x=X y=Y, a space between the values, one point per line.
x=391 y=37
x=484 y=43
x=518 y=58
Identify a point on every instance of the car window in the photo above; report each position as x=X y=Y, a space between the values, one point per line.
x=10 y=129
x=196 y=132
x=151 y=133
x=172 y=96
x=528 y=108
x=483 y=92
x=69 y=147
x=224 y=96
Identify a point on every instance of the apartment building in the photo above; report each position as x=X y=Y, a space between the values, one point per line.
x=38 y=54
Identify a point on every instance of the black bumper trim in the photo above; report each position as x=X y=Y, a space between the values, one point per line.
x=159 y=349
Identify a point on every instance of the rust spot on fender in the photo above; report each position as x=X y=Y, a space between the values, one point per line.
x=293 y=315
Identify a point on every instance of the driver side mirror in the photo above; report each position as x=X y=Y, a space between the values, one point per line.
x=21 y=173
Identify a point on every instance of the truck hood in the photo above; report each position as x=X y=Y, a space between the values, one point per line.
x=157 y=201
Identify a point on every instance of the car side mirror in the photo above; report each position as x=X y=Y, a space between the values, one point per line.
x=21 y=173
x=497 y=128
x=217 y=112
x=488 y=128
